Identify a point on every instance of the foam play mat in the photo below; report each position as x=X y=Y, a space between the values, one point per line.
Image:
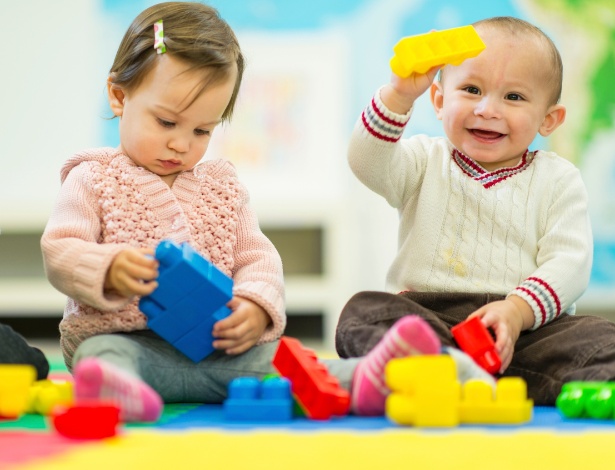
x=197 y=436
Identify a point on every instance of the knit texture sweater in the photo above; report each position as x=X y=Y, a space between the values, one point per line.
x=107 y=204
x=522 y=230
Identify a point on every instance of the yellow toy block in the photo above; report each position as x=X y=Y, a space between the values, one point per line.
x=46 y=394
x=15 y=381
x=509 y=406
x=421 y=52
x=425 y=391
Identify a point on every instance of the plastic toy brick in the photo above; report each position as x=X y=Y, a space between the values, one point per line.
x=87 y=420
x=191 y=296
x=250 y=399
x=424 y=391
x=15 y=382
x=46 y=394
x=587 y=400
x=318 y=392
x=421 y=52
x=509 y=406
x=474 y=338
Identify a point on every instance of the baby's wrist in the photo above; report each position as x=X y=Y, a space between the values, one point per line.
x=395 y=101
x=523 y=311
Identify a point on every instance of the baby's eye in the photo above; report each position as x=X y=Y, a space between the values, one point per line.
x=514 y=97
x=165 y=123
x=201 y=132
x=472 y=90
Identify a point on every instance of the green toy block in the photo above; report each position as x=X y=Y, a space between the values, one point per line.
x=587 y=400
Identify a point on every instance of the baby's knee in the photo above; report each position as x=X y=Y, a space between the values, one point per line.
x=108 y=346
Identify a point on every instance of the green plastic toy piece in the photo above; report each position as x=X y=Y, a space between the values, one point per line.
x=587 y=400
x=421 y=52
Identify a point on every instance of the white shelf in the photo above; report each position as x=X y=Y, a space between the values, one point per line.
x=29 y=297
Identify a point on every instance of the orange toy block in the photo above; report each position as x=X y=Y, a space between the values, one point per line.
x=15 y=381
x=422 y=52
x=317 y=392
x=509 y=406
x=425 y=391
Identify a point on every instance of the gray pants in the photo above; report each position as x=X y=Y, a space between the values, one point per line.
x=179 y=380
x=572 y=347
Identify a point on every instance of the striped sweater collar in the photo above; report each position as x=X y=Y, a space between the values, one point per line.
x=487 y=178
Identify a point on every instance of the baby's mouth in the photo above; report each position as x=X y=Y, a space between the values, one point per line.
x=486 y=135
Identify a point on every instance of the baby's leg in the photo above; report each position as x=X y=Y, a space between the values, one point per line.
x=107 y=367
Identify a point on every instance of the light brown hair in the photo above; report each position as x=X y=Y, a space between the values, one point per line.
x=194 y=33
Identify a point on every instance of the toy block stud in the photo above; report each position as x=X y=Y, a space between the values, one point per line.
x=250 y=399
x=474 y=338
x=87 y=420
x=46 y=394
x=422 y=52
x=15 y=382
x=191 y=296
x=318 y=393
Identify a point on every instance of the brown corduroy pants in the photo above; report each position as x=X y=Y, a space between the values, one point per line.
x=571 y=347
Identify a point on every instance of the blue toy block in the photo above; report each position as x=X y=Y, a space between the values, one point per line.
x=191 y=296
x=249 y=399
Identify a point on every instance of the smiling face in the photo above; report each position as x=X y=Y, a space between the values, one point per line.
x=165 y=124
x=493 y=106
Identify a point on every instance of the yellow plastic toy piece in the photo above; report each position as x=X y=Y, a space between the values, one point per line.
x=425 y=391
x=46 y=394
x=421 y=52
x=15 y=381
x=510 y=405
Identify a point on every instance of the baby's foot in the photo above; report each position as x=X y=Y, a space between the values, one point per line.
x=97 y=379
x=409 y=336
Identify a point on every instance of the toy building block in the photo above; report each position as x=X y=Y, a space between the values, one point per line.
x=474 y=338
x=318 y=392
x=509 y=406
x=46 y=394
x=424 y=391
x=422 y=52
x=87 y=420
x=15 y=382
x=250 y=399
x=191 y=296
x=587 y=400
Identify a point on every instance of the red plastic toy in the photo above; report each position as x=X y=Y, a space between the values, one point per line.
x=318 y=393
x=87 y=420
x=474 y=338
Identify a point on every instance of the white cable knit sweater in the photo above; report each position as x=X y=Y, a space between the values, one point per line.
x=523 y=230
x=107 y=204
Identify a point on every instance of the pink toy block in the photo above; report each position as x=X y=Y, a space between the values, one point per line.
x=474 y=338
x=318 y=393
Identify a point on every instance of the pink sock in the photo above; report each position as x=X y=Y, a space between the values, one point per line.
x=97 y=379
x=409 y=336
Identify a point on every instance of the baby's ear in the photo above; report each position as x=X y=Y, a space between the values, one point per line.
x=116 y=97
x=437 y=97
x=556 y=114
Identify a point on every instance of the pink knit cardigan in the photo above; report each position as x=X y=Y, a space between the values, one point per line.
x=107 y=203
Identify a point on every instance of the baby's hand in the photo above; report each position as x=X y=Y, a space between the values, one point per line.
x=242 y=328
x=403 y=92
x=132 y=272
x=506 y=320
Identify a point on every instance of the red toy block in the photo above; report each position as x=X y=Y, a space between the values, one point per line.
x=318 y=393
x=87 y=420
x=474 y=339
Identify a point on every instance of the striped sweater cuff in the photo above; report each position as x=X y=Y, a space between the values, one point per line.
x=382 y=123
x=542 y=298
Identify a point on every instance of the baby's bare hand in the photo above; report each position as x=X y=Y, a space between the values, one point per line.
x=242 y=328
x=132 y=272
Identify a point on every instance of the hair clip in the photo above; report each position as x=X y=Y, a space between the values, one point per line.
x=159 y=38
